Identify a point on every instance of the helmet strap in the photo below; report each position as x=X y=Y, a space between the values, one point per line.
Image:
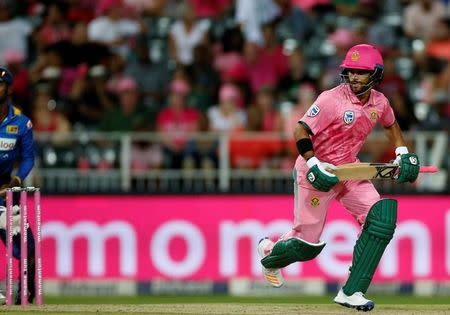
x=344 y=80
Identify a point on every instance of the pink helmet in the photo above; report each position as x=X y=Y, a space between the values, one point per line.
x=364 y=57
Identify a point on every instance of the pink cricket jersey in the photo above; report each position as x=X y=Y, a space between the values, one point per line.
x=340 y=123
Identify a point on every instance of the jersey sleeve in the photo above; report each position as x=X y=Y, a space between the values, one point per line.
x=320 y=114
x=387 y=117
x=26 y=151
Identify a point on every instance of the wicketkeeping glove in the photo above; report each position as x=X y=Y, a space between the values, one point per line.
x=16 y=219
x=318 y=176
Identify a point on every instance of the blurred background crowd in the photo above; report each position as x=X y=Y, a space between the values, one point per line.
x=215 y=65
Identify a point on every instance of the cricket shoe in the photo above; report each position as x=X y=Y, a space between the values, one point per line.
x=356 y=300
x=273 y=276
x=2 y=299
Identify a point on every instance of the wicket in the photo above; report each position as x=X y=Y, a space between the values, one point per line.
x=23 y=244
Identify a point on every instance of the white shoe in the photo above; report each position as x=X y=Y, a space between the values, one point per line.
x=357 y=300
x=2 y=299
x=273 y=276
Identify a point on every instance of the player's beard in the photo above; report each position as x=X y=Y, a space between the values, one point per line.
x=359 y=88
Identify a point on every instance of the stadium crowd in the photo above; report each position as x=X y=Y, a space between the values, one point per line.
x=215 y=65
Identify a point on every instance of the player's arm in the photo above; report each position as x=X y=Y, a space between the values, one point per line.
x=395 y=135
x=303 y=141
x=26 y=160
x=26 y=154
x=317 y=175
x=409 y=162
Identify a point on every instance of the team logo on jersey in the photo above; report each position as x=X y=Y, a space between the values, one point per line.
x=7 y=144
x=373 y=115
x=355 y=55
x=313 y=110
x=29 y=124
x=349 y=116
x=315 y=201
x=12 y=129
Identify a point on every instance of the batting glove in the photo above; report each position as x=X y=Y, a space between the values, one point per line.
x=319 y=177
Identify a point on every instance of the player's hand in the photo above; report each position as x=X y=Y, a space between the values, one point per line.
x=3 y=190
x=409 y=168
x=319 y=177
x=15 y=182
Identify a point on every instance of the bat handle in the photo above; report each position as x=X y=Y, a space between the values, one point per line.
x=428 y=169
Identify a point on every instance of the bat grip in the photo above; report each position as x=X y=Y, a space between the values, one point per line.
x=428 y=169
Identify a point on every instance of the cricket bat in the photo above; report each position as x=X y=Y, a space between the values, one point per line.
x=361 y=171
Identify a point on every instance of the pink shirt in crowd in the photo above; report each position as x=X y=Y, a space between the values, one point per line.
x=178 y=124
x=209 y=8
x=270 y=66
x=340 y=123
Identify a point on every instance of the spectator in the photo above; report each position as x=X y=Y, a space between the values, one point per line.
x=308 y=5
x=14 y=60
x=14 y=31
x=156 y=8
x=151 y=77
x=264 y=108
x=55 y=66
x=342 y=39
x=227 y=116
x=251 y=15
x=201 y=153
x=89 y=97
x=381 y=34
x=394 y=88
x=230 y=55
x=257 y=152
x=176 y=121
x=81 y=50
x=186 y=33
x=111 y=28
x=439 y=45
x=54 y=27
x=293 y=22
x=238 y=75
x=209 y=8
x=306 y=94
x=116 y=71
x=420 y=18
x=45 y=116
x=348 y=7
x=297 y=74
x=205 y=80
x=80 y=11
x=266 y=65
x=128 y=114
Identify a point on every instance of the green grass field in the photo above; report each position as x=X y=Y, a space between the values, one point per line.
x=171 y=305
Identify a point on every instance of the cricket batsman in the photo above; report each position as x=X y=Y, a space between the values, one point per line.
x=16 y=147
x=332 y=133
